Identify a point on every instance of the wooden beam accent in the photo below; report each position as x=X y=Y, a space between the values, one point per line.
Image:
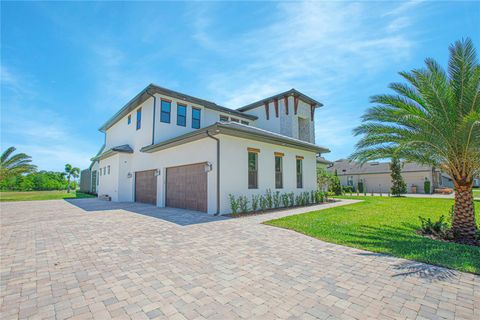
x=295 y=104
x=312 y=111
x=299 y=157
x=275 y=103
x=285 y=101
x=267 y=110
x=254 y=150
x=279 y=154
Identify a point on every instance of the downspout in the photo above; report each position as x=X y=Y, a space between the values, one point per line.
x=218 y=171
x=154 y=107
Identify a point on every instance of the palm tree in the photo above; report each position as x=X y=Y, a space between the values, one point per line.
x=13 y=165
x=72 y=172
x=434 y=119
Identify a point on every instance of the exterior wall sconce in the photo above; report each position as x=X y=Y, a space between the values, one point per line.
x=129 y=175
x=208 y=167
x=157 y=172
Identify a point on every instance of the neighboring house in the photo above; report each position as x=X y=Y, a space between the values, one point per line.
x=323 y=163
x=376 y=176
x=476 y=182
x=171 y=149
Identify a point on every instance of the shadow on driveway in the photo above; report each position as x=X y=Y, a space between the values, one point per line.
x=178 y=216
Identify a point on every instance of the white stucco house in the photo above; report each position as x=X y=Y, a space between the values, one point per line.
x=171 y=149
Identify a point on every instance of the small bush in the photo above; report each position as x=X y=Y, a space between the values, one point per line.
x=255 y=202
x=233 y=204
x=277 y=199
x=306 y=198
x=291 y=197
x=263 y=203
x=269 y=199
x=360 y=187
x=312 y=197
x=427 y=186
x=347 y=189
x=298 y=200
x=319 y=197
x=285 y=200
x=437 y=228
x=243 y=203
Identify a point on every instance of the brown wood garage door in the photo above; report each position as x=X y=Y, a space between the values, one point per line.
x=187 y=187
x=146 y=187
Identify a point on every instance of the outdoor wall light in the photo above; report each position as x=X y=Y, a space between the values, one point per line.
x=157 y=172
x=129 y=175
x=208 y=167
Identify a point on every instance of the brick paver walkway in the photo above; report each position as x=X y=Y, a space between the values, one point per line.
x=79 y=260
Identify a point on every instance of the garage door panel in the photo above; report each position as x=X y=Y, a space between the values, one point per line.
x=186 y=187
x=146 y=187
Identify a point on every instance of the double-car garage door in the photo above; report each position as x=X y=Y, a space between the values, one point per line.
x=186 y=187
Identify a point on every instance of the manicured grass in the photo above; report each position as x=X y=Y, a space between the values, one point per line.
x=476 y=192
x=387 y=225
x=41 y=195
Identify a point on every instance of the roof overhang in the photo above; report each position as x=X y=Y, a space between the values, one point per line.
x=112 y=151
x=145 y=94
x=289 y=93
x=236 y=130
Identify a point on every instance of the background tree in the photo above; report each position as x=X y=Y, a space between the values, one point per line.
x=335 y=185
x=398 y=184
x=434 y=119
x=13 y=165
x=71 y=172
x=324 y=179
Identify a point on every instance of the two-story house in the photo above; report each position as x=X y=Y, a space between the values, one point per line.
x=171 y=149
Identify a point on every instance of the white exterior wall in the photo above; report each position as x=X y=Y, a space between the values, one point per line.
x=284 y=124
x=123 y=133
x=234 y=169
x=108 y=183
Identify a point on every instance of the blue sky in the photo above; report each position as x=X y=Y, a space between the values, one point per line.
x=67 y=67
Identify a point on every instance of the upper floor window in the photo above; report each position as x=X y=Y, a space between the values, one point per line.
x=350 y=181
x=234 y=120
x=196 y=118
x=139 y=118
x=165 y=108
x=223 y=118
x=108 y=169
x=299 y=172
x=278 y=170
x=129 y=119
x=181 y=115
x=244 y=122
x=253 y=168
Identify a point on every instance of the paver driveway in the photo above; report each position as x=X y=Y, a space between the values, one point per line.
x=76 y=259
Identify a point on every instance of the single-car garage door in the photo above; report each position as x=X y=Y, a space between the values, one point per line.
x=186 y=187
x=146 y=187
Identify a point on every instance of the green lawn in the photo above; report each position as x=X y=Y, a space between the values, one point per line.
x=476 y=192
x=387 y=225
x=41 y=195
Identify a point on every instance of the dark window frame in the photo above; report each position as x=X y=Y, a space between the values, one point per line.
x=225 y=118
x=129 y=119
x=184 y=116
x=139 y=119
x=234 y=120
x=278 y=173
x=194 y=119
x=244 y=122
x=299 y=164
x=164 y=112
x=252 y=173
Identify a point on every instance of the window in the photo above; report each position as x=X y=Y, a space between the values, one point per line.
x=129 y=119
x=181 y=115
x=234 y=120
x=223 y=118
x=139 y=118
x=244 y=122
x=108 y=169
x=100 y=172
x=299 y=172
x=252 y=170
x=165 y=108
x=278 y=172
x=196 y=118
x=350 y=181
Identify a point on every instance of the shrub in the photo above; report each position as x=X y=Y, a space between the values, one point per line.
x=269 y=198
x=276 y=199
x=285 y=200
x=233 y=203
x=398 y=184
x=298 y=200
x=263 y=203
x=427 y=186
x=437 y=228
x=255 y=202
x=312 y=197
x=243 y=203
x=306 y=198
x=291 y=197
x=319 y=197
x=335 y=185
x=348 y=189
x=360 y=187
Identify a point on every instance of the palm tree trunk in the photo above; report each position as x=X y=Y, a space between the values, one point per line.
x=464 y=226
x=68 y=185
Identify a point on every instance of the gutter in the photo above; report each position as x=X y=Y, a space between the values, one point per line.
x=218 y=171
x=154 y=107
